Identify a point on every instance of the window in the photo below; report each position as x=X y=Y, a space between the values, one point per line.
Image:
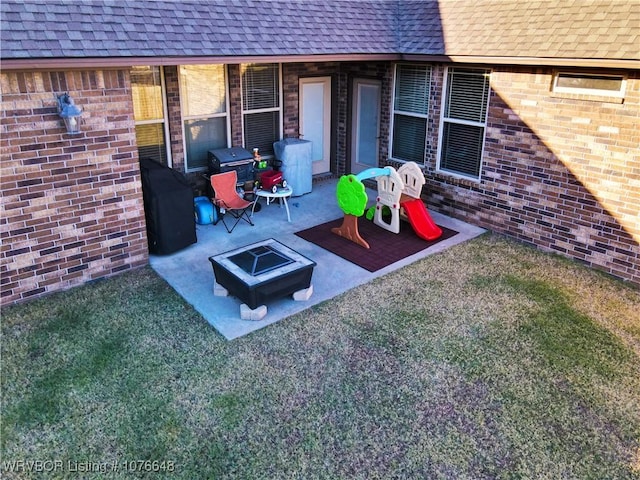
x=203 y=95
x=410 y=111
x=149 y=113
x=463 y=124
x=261 y=106
x=596 y=85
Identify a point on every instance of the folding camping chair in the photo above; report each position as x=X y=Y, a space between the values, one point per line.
x=226 y=198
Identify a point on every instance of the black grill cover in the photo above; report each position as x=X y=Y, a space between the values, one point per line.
x=168 y=208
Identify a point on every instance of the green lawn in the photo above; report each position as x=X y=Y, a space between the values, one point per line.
x=489 y=360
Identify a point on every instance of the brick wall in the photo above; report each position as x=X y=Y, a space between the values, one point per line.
x=291 y=74
x=342 y=75
x=235 y=105
x=71 y=207
x=174 y=112
x=559 y=171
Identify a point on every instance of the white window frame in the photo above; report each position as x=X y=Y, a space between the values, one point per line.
x=262 y=110
x=164 y=121
x=408 y=114
x=595 y=92
x=444 y=119
x=186 y=118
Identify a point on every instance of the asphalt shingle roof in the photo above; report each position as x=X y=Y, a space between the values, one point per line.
x=44 y=28
x=589 y=29
x=532 y=28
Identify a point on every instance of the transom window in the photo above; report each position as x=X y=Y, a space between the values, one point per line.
x=410 y=112
x=149 y=113
x=583 y=84
x=203 y=96
x=463 y=124
x=261 y=106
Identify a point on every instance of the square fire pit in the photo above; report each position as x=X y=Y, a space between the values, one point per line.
x=262 y=271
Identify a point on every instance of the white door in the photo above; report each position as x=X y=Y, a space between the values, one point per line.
x=365 y=129
x=315 y=120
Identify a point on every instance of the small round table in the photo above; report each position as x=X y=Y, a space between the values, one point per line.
x=282 y=194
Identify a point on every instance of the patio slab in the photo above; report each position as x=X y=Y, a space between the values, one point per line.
x=190 y=273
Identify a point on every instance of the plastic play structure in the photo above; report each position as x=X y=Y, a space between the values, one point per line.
x=398 y=194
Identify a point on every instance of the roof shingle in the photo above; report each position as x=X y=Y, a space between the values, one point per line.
x=587 y=29
x=198 y=27
x=538 y=28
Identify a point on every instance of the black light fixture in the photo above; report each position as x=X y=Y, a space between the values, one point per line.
x=70 y=113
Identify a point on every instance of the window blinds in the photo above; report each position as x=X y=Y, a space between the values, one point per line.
x=260 y=86
x=147 y=93
x=467 y=96
x=408 y=138
x=203 y=90
x=462 y=149
x=261 y=131
x=410 y=111
x=412 y=89
x=464 y=121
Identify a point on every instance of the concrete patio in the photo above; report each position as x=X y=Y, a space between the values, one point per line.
x=190 y=273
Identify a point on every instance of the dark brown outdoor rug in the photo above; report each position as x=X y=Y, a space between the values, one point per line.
x=386 y=247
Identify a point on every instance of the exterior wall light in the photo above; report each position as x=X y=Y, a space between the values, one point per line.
x=70 y=113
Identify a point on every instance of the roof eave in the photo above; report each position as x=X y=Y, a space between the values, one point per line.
x=528 y=61
x=119 y=62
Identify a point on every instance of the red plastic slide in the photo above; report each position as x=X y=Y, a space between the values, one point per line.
x=420 y=220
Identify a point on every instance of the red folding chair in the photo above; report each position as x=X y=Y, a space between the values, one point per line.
x=226 y=198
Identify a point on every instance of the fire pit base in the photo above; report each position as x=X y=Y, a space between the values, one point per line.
x=260 y=272
x=256 y=314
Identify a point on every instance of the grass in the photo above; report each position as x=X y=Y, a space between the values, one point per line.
x=489 y=360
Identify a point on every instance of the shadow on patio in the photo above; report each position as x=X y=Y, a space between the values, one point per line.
x=190 y=273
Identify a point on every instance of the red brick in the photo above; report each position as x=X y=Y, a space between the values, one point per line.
x=67 y=221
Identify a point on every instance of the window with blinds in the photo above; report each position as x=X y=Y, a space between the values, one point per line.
x=464 y=119
x=261 y=106
x=203 y=97
x=410 y=112
x=149 y=113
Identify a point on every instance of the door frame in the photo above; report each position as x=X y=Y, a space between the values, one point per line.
x=354 y=166
x=323 y=165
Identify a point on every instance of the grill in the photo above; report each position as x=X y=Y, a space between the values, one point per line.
x=235 y=158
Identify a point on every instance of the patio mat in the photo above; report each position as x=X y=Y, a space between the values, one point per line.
x=386 y=247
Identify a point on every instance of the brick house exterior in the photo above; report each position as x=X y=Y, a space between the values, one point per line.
x=71 y=205
x=560 y=171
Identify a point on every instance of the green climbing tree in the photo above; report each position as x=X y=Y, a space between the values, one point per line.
x=352 y=200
